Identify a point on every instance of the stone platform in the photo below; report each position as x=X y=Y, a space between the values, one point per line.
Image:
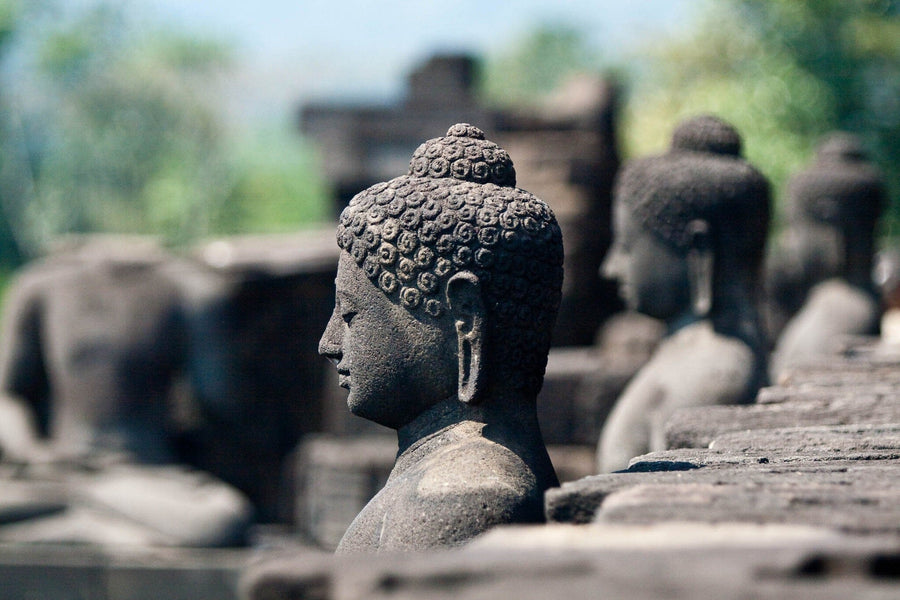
x=796 y=496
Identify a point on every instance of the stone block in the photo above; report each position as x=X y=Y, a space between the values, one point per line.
x=558 y=407
x=76 y=573
x=740 y=562
x=696 y=427
x=336 y=477
x=850 y=495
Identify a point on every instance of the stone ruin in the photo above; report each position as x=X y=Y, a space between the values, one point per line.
x=119 y=359
x=792 y=496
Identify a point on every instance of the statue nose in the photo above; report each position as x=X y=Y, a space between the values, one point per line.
x=611 y=267
x=330 y=345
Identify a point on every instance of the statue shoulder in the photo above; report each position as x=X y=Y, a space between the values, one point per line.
x=456 y=493
x=702 y=364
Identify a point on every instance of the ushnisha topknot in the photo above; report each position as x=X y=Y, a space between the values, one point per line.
x=458 y=209
x=701 y=177
x=840 y=187
x=707 y=133
x=463 y=154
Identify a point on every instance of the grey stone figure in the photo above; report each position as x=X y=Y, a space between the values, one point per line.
x=93 y=347
x=448 y=285
x=828 y=251
x=690 y=228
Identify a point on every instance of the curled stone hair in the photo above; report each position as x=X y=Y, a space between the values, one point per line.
x=701 y=177
x=458 y=210
x=840 y=188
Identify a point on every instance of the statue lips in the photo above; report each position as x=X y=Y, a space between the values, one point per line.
x=343 y=378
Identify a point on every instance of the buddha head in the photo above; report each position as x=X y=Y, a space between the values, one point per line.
x=833 y=208
x=689 y=225
x=448 y=284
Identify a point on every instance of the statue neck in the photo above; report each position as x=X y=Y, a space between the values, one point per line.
x=857 y=269
x=733 y=313
x=511 y=414
x=439 y=416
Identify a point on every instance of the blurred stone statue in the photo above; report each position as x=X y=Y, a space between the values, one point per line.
x=824 y=265
x=448 y=285
x=689 y=235
x=93 y=346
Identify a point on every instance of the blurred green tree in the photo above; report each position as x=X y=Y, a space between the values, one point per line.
x=785 y=72
x=11 y=251
x=536 y=65
x=120 y=128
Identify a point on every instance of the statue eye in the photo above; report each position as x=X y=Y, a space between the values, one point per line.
x=347 y=316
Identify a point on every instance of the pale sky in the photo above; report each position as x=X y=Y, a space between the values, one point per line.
x=294 y=50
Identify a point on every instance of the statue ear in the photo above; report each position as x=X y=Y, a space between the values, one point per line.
x=700 y=259
x=467 y=311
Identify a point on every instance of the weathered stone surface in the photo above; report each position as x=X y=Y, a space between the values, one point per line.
x=864 y=502
x=878 y=441
x=858 y=443
x=847 y=494
x=697 y=427
x=448 y=284
x=798 y=394
x=75 y=573
x=254 y=315
x=336 y=478
x=840 y=374
x=665 y=536
x=690 y=230
x=820 y=270
x=558 y=406
x=766 y=568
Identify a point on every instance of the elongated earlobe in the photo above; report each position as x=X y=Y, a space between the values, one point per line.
x=467 y=311
x=700 y=261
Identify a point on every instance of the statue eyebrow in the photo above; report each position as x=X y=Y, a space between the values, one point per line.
x=345 y=299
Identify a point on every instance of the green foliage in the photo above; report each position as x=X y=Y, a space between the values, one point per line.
x=536 y=65
x=785 y=72
x=119 y=129
x=274 y=187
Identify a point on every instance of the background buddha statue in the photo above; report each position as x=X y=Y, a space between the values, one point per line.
x=448 y=285
x=93 y=349
x=823 y=268
x=689 y=235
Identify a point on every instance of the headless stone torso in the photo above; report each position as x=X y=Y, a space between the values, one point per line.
x=92 y=348
x=113 y=361
x=452 y=484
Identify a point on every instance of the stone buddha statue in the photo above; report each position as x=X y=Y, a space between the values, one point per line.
x=827 y=252
x=93 y=347
x=448 y=285
x=689 y=235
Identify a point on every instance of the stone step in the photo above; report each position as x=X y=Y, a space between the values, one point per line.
x=770 y=564
x=871 y=486
x=696 y=427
